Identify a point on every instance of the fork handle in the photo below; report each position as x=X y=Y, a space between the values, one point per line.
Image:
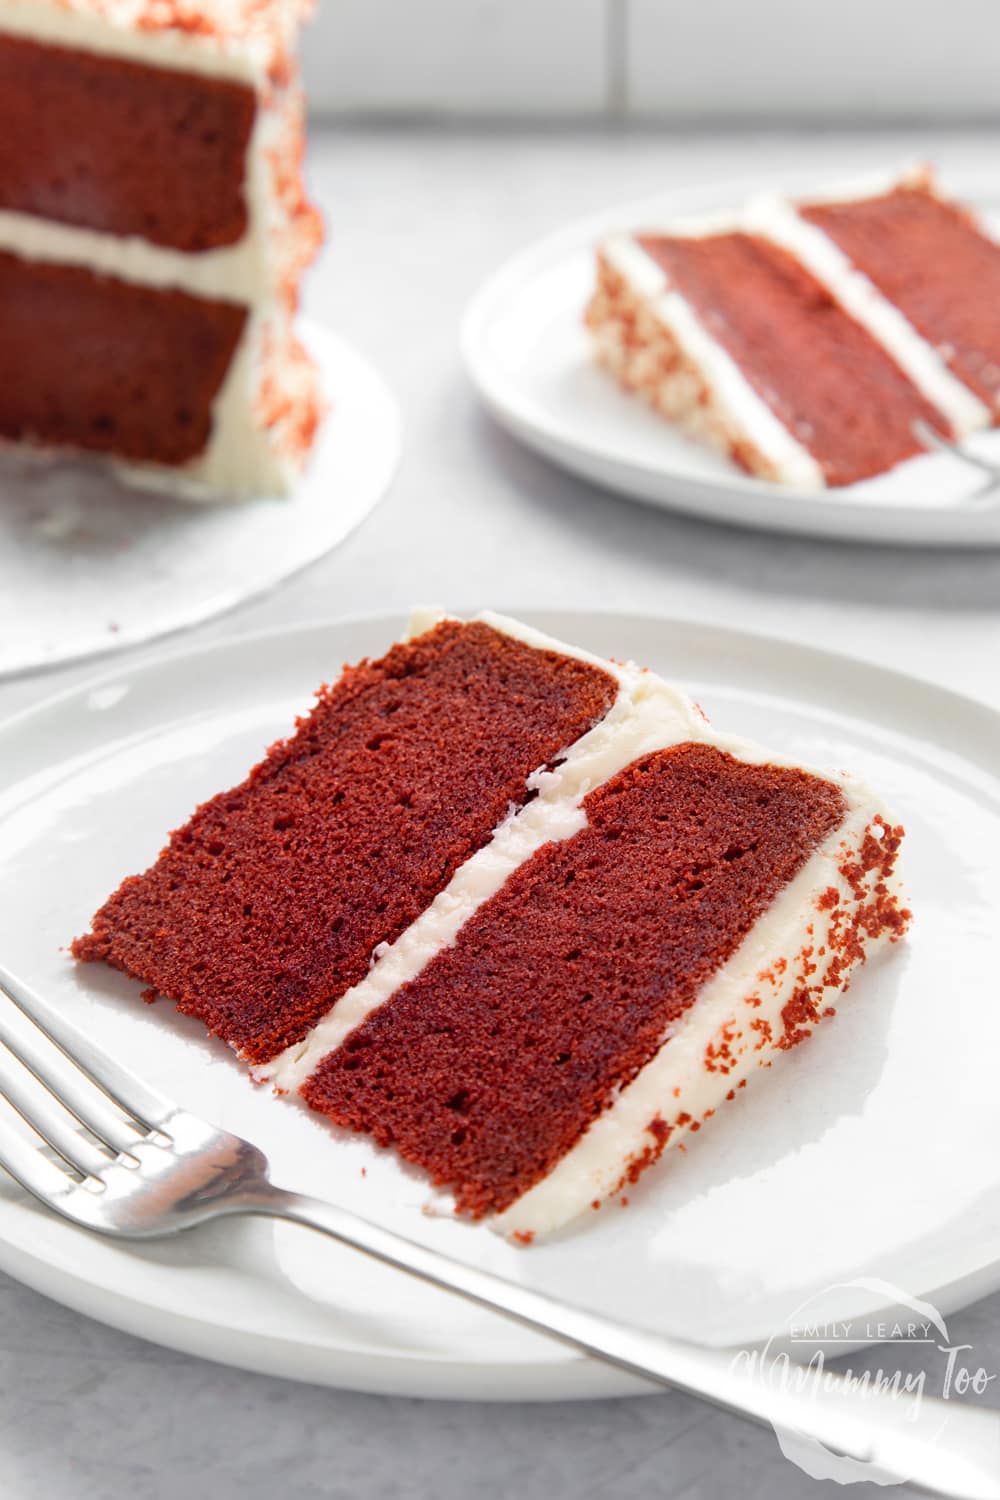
x=947 y=1448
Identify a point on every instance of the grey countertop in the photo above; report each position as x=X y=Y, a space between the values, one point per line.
x=417 y=219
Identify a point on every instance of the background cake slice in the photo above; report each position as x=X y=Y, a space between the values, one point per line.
x=153 y=233
x=728 y=335
x=806 y=340
x=924 y=255
x=518 y=912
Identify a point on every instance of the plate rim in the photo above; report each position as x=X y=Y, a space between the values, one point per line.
x=434 y=1374
x=336 y=348
x=832 y=513
x=177 y=647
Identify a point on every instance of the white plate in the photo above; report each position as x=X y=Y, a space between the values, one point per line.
x=529 y=356
x=89 y=566
x=871 y=1150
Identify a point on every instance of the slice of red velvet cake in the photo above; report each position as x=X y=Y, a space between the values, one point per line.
x=153 y=234
x=269 y=904
x=805 y=341
x=919 y=270
x=516 y=911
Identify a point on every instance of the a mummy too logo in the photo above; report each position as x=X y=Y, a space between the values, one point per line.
x=915 y=1358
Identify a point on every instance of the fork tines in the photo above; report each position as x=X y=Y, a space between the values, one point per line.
x=86 y=1108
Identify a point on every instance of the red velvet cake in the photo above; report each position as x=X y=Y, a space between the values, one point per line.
x=153 y=233
x=806 y=340
x=518 y=912
x=932 y=260
x=270 y=902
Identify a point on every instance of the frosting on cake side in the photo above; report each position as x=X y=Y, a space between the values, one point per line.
x=264 y=415
x=806 y=339
x=532 y=1008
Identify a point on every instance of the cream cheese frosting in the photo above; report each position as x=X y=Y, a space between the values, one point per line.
x=736 y=1025
x=244 y=40
x=242 y=456
x=737 y=1021
x=726 y=411
x=645 y=712
x=731 y=390
x=776 y=219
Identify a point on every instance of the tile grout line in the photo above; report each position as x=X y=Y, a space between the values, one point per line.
x=616 y=58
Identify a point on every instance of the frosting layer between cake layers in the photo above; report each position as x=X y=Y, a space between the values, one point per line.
x=269 y=903
x=935 y=261
x=805 y=339
x=160 y=147
x=784 y=223
x=571 y=923
x=571 y=1005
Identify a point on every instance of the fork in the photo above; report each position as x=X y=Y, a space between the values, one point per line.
x=981 y=498
x=114 y=1156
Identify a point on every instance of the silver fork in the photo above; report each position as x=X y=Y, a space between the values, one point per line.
x=985 y=494
x=124 y=1161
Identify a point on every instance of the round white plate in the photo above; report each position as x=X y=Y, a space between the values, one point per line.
x=529 y=356
x=89 y=566
x=869 y=1151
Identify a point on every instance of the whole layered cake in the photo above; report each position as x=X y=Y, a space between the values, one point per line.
x=517 y=912
x=808 y=339
x=153 y=232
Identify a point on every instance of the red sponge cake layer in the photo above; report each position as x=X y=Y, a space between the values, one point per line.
x=122 y=147
x=491 y=1064
x=110 y=366
x=268 y=904
x=931 y=259
x=825 y=378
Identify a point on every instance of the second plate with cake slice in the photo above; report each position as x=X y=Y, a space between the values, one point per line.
x=515 y=910
x=785 y=360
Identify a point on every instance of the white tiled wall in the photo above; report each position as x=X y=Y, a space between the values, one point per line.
x=866 y=58
x=705 y=59
x=532 y=57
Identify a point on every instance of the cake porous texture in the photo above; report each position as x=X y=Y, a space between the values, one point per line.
x=810 y=340
x=154 y=230
x=516 y=912
x=271 y=901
